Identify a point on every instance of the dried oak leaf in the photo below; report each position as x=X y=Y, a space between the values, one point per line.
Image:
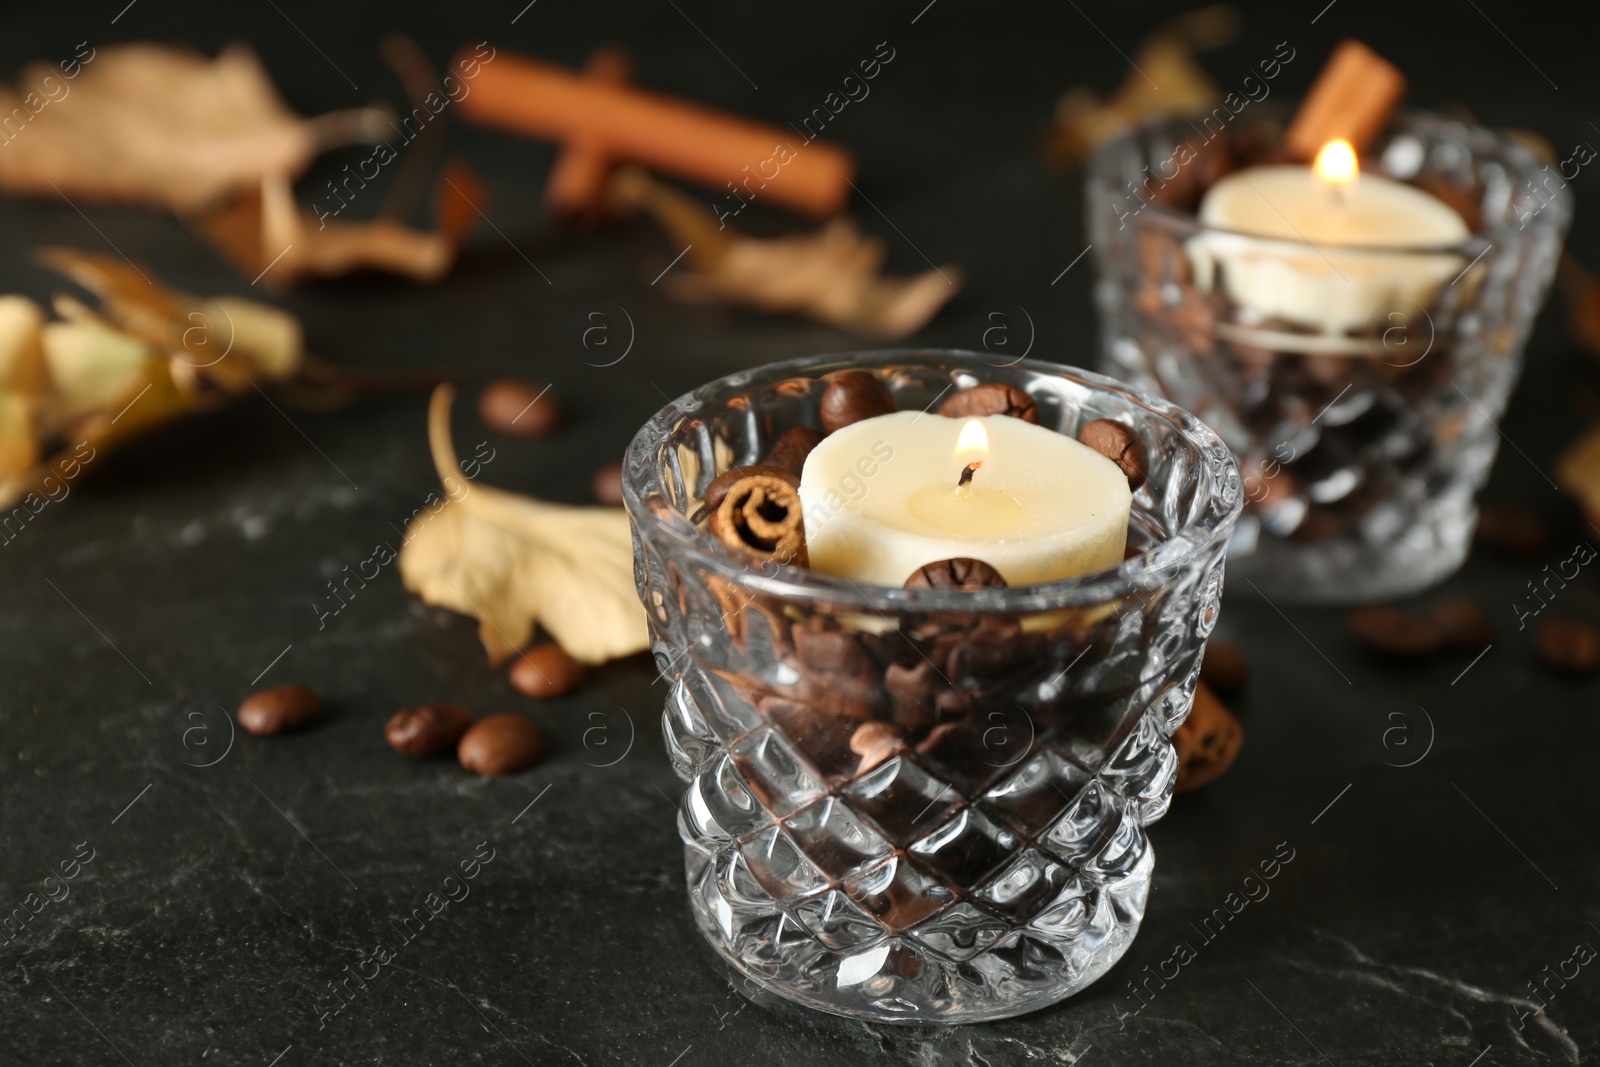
x=832 y=275
x=164 y=127
x=515 y=563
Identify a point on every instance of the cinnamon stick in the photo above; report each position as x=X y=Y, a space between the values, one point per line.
x=576 y=187
x=1352 y=99
x=722 y=151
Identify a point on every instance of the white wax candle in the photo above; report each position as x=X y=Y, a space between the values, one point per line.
x=881 y=499
x=1325 y=283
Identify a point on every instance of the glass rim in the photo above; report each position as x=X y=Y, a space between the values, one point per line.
x=1555 y=215
x=1191 y=542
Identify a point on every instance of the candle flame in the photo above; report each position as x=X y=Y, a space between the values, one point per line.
x=972 y=447
x=1336 y=164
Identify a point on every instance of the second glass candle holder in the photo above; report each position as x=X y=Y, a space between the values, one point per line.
x=1360 y=387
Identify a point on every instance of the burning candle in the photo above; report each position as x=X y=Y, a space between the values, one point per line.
x=885 y=496
x=1325 y=266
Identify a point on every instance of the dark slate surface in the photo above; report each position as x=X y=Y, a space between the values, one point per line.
x=1420 y=902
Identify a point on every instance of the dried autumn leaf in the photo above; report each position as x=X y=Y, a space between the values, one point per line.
x=1578 y=471
x=21 y=350
x=227 y=341
x=165 y=127
x=1582 y=292
x=100 y=374
x=516 y=563
x=832 y=275
x=19 y=440
x=269 y=237
x=1164 y=79
x=90 y=365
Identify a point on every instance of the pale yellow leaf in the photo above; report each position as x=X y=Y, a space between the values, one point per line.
x=517 y=563
x=90 y=366
x=19 y=448
x=21 y=354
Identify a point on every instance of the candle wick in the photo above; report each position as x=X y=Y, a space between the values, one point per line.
x=966 y=475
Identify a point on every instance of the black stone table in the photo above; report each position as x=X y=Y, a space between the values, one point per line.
x=1423 y=912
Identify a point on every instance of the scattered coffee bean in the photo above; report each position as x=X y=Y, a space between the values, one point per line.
x=1120 y=445
x=427 y=730
x=991 y=398
x=832 y=652
x=499 y=744
x=513 y=406
x=1465 y=625
x=1511 y=531
x=958 y=573
x=272 y=711
x=1390 y=631
x=1224 y=668
x=718 y=489
x=854 y=395
x=546 y=671
x=790 y=451
x=1569 y=647
x=875 y=742
x=608 y=485
x=1207 y=742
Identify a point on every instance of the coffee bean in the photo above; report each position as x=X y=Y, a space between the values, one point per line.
x=426 y=730
x=1569 y=647
x=854 y=395
x=608 y=485
x=1465 y=625
x=911 y=693
x=1511 y=531
x=831 y=651
x=513 y=406
x=1224 y=668
x=875 y=742
x=546 y=671
x=958 y=573
x=789 y=452
x=718 y=489
x=954 y=744
x=991 y=398
x=1120 y=445
x=499 y=744
x=1389 y=631
x=272 y=711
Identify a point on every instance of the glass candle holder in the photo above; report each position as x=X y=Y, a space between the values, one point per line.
x=915 y=805
x=1361 y=446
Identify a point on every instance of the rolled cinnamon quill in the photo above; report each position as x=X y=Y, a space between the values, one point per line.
x=1352 y=100
x=751 y=160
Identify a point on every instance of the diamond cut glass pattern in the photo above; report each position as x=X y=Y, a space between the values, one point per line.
x=992 y=860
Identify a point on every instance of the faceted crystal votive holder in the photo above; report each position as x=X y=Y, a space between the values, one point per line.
x=993 y=859
x=1361 y=448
